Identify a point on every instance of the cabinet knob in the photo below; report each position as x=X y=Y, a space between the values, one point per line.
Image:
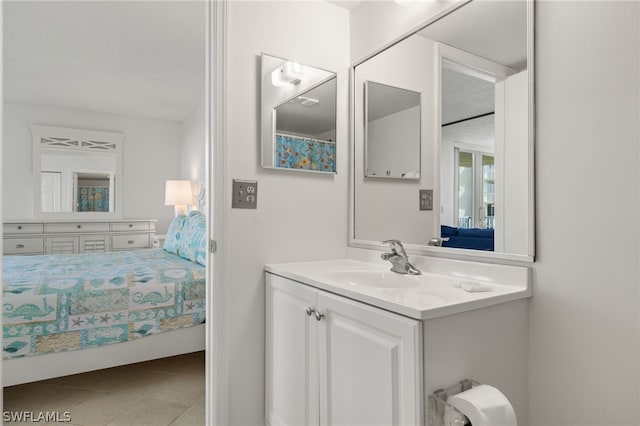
x=130 y=242
x=310 y=311
x=131 y=225
x=20 y=246
x=19 y=227
x=319 y=316
x=79 y=226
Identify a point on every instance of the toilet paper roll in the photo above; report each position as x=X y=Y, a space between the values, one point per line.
x=484 y=405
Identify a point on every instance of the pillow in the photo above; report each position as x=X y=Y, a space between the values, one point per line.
x=193 y=244
x=448 y=231
x=174 y=234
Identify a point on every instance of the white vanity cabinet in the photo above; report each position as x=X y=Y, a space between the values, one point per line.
x=70 y=237
x=334 y=361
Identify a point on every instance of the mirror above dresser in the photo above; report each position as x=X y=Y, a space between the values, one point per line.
x=77 y=173
x=469 y=190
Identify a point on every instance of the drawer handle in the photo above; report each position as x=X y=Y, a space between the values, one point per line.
x=19 y=228
x=20 y=246
x=130 y=242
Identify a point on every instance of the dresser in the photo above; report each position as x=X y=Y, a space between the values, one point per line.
x=67 y=237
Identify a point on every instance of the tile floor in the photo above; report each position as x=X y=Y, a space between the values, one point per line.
x=168 y=391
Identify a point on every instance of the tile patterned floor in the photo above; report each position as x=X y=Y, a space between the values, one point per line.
x=168 y=391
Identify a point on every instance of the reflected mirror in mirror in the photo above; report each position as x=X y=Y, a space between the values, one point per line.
x=476 y=145
x=392 y=132
x=93 y=192
x=298 y=109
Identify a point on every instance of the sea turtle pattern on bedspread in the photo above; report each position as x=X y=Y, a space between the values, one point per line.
x=64 y=302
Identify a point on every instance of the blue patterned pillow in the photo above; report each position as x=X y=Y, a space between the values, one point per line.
x=174 y=234
x=193 y=244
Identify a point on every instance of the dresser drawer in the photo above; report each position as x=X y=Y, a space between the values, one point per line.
x=76 y=227
x=23 y=245
x=130 y=226
x=22 y=228
x=124 y=242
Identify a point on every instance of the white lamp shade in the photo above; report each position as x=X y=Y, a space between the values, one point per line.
x=178 y=192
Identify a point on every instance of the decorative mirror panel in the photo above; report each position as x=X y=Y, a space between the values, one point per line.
x=298 y=116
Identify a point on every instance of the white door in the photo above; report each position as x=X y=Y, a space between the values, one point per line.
x=291 y=353
x=50 y=186
x=370 y=365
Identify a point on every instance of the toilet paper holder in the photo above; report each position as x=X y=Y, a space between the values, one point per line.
x=438 y=403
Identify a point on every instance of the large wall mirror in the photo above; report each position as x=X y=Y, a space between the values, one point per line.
x=298 y=116
x=474 y=69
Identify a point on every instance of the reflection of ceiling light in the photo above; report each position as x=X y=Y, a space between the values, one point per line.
x=304 y=101
x=288 y=73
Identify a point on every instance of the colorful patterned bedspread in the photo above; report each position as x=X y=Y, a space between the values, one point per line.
x=65 y=302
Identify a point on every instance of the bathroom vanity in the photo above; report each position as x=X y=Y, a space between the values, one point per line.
x=349 y=342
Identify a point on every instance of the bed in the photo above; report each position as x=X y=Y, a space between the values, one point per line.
x=64 y=314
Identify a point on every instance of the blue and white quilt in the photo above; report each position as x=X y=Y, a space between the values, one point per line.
x=56 y=303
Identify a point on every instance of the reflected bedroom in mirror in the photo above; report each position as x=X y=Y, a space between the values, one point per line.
x=472 y=69
x=104 y=103
x=298 y=116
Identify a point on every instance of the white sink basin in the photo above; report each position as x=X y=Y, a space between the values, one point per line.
x=433 y=294
x=376 y=279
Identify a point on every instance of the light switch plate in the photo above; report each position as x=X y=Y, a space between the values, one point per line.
x=245 y=194
x=426 y=199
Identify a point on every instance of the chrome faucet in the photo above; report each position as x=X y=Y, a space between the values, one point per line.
x=399 y=259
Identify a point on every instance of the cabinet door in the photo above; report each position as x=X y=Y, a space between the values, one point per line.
x=291 y=354
x=370 y=365
x=94 y=243
x=61 y=245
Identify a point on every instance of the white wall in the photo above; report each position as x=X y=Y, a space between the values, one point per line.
x=151 y=156
x=300 y=216
x=194 y=139
x=393 y=142
x=584 y=315
x=512 y=164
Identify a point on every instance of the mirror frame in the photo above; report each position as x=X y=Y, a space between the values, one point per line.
x=115 y=138
x=455 y=253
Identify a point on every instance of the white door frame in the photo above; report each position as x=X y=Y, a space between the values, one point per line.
x=216 y=357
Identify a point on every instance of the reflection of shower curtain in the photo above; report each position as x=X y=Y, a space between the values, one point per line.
x=93 y=199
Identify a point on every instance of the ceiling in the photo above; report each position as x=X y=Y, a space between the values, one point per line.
x=311 y=120
x=495 y=30
x=140 y=59
x=346 y=4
